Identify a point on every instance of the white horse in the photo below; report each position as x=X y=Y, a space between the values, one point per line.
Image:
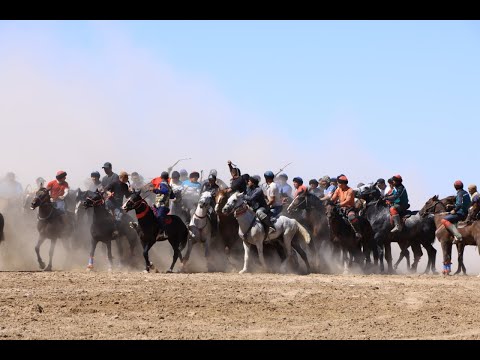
x=200 y=227
x=251 y=230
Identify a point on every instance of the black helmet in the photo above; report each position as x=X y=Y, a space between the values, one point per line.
x=164 y=175
x=95 y=174
x=212 y=177
x=298 y=180
x=194 y=174
x=175 y=175
x=254 y=179
x=313 y=181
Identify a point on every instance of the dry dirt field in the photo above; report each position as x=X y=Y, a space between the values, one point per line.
x=133 y=305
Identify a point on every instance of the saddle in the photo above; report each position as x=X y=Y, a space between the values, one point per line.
x=406 y=214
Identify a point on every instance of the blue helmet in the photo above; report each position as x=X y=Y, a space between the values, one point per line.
x=269 y=174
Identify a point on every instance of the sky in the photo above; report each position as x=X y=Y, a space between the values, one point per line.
x=369 y=99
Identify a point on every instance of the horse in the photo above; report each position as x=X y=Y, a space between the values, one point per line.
x=309 y=210
x=200 y=228
x=50 y=225
x=343 y=237
x=148 y=229
x=84 y=216
x=417 y=231
x=469 y=231
x=252 y=231
x=102 y=227
x=2 y=224
x=227 y=229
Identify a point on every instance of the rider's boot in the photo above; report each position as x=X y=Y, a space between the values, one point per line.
x=398 y=223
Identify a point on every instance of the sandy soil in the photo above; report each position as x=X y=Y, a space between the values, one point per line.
x=132 y=305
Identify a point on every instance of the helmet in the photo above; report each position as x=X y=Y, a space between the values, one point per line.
x=164 y=175
x=95 y=174
x=298 y=180
x=40 y=180
x=342 y=179
x=212 y=177
x=313 y=181
x=472 y=187
x=213 y=172
x=269 y=174
x=380 y=181
x=194 y=174
x=283 y=175
x=326 y=178
x=397 y=178
x=360 y=184
x=183 y=172
x=333 y=179
x=61 y=174
x=175 y=175
x=458 y=184
x=390 y=181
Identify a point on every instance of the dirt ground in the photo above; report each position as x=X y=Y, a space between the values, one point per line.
x=133 y=305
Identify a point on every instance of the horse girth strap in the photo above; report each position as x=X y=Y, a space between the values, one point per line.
x=245 y=234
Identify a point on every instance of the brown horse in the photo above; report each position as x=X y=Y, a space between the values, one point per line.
x=440 y=208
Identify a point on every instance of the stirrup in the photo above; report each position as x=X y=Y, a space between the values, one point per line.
x=133 y=225
x=395 y=229
x=271 y=230
x=457 y=240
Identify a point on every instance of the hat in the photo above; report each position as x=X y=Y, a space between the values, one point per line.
x=254 y=179
x=269 y=174
x=61 y=174
x=326 y=178
x=283 y=175
x=183 y=172
x=134 y=173
x=175 y=174
x=212 y=177
x=458 y=183
x=397 y=178
x=380 y=181
x=213 y=172
x=107 y=165
x=333 y=179
x=313 y=181
x=123 y=173
x=298 y=180
x=194 y=174
x=342 y=179
x=164 y=175
x=95 y=174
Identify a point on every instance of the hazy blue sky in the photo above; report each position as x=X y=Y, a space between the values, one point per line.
x=366 y=98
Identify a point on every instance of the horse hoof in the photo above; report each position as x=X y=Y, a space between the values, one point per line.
x=145 y=271
x=48 y=268
x=110 y=269
x=242 y=271
x=42 y=265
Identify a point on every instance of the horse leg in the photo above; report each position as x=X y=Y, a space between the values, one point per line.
x=118 y=240
x=109 y=254
x=190 y=243
x=50 y=254
x=92 y=253
x=174 y=243
x=417 y=255
x=460 y=249
x=146 y=248
x=246 y=258
x=388 y=256
x=40 y=241
x=261 y=258
x=302 y=254
x=400 y=258
x=447 y=257
x=379 y=246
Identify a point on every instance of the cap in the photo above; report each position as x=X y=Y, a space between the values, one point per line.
x=95 y=174
x=380 y=181
x=194 y=174
x=107 y=165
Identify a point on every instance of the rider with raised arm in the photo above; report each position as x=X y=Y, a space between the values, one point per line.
x=237 y=182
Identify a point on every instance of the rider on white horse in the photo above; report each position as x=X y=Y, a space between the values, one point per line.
x=256 y=200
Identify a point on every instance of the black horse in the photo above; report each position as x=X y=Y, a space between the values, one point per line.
x=416 y=231
x=122 y=226
x=50 y=225
x=148 y=227
x=2 y=224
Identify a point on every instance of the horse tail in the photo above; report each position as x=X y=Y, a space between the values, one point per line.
x=304 y=233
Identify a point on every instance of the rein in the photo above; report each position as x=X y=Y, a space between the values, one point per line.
x=434 y=206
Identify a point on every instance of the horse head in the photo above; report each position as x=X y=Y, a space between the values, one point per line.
x=133 y=201
x=206 y=200
x=42 y=197
x=331 y=210
x=432 y=206
x=93 y=199
x=220 y=199
x=234 y=201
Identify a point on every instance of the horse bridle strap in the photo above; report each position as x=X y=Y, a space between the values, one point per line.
x=242 y=209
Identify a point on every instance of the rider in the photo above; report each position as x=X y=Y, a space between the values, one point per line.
x=10 y=188
x=58 y=191
x=314 y=189
x=110 y=176
x=382 y=187
x=221 y=184
x=274 y=201
x=475 y=199
x=345 y=197
x=183 y=175
x=115 y=193
x=256 y=200
x=459 y=213
x=237 y=182
x=213 y=188
x=398 y=200
x=162 y=188
x=329 y=185
x=284 y=188
x=95 y=184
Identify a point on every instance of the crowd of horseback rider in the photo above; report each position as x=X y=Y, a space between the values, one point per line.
x=267 y=199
